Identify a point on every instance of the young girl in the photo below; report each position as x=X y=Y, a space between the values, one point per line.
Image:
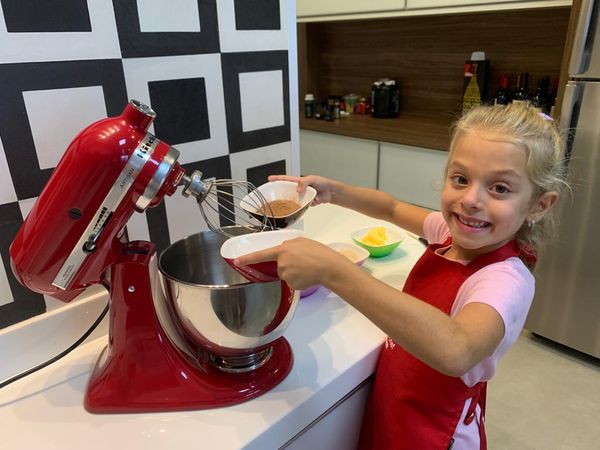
x=465 y=301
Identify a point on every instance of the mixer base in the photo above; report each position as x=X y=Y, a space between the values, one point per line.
x=141 y=370
x=175 y=385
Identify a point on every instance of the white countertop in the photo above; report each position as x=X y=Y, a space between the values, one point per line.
x=335 y=349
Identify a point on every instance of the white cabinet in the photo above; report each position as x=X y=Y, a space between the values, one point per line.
x=338 y=428
x=314 y=8
x=351 y=160
x=418 y=4
x=319 y=10
x=412 y=174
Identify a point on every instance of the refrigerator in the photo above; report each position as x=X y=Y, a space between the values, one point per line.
x=566 y=306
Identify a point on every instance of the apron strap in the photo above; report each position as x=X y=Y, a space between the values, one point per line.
x=478 y=398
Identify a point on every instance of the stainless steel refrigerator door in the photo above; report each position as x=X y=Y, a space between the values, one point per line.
x=566 y=307
x=585 y=56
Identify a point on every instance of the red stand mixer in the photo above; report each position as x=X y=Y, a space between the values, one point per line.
x=196 y=335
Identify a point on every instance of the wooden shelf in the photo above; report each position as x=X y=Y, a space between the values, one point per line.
x=426 y=56
x=412 y=130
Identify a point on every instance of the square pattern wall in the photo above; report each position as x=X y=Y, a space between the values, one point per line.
x=216 y=72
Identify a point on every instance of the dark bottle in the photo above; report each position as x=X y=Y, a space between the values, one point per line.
x=320 y=110
x=502 y=96
x=521 y=93
x=540 y=98
x=328 y=113
x=309 y=106
x=336 y=109
x=552 y=97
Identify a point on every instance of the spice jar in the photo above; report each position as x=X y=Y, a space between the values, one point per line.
x=351 y=100
x=361 y=106
x=309 y=105
x=336 y=109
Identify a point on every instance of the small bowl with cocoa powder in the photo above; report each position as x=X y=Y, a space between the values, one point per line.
x=284 y=204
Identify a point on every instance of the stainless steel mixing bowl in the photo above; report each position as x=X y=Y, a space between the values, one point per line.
x=219 y=310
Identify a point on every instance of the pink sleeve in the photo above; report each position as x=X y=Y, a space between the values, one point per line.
x=508 y=287
x=435 y=229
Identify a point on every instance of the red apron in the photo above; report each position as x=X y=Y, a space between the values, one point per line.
x=411 y=405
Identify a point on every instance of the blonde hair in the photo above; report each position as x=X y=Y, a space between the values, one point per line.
x=524 y=126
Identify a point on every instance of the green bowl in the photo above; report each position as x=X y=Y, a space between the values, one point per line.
x=394 y=239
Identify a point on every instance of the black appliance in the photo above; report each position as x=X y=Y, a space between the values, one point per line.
x=385 y=98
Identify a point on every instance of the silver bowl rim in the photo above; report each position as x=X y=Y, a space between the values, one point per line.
x=208 y=286
x=244 y=284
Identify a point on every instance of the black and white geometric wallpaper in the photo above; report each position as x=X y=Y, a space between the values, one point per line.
x=217 y=72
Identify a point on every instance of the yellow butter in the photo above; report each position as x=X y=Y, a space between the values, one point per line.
x=375 y=237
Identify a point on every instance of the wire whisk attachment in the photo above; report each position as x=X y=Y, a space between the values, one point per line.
x=226 y=203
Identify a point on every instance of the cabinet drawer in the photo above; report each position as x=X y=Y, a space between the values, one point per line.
x=339 y=428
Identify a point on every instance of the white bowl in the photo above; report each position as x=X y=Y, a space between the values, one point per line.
x=279 y=190
x=354 y=253
x=248 y=243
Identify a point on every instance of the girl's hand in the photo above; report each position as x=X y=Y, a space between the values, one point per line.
x=321 y=184
x=301 y=262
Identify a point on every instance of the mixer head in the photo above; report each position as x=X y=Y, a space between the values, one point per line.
x=111 y=169
x=74 y=230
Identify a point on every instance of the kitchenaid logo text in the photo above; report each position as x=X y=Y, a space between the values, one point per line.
x=146 y=145
x=143 y=151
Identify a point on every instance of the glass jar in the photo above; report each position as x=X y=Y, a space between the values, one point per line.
x=309 y=106
x=351 y=100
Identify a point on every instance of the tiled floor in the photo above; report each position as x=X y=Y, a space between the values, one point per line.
x=544 y=396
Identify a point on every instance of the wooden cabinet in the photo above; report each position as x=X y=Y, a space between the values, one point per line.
x=426 y=55
x=350 y=160
x=412 y=174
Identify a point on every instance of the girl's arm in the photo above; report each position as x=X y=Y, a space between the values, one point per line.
x=371 y=202
x=380 y=205
x=451 y=345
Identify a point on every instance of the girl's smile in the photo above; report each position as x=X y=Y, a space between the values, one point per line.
x=471 y=224
x=487 y=194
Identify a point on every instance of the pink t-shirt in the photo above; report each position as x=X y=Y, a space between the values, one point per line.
x=508 y=287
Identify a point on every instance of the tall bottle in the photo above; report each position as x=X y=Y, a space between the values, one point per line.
x=540 y=98
x=475 y=80
x=521 y=93
x=502 y=96
x=309 y=106
x=552 y=97
x=472 y=94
